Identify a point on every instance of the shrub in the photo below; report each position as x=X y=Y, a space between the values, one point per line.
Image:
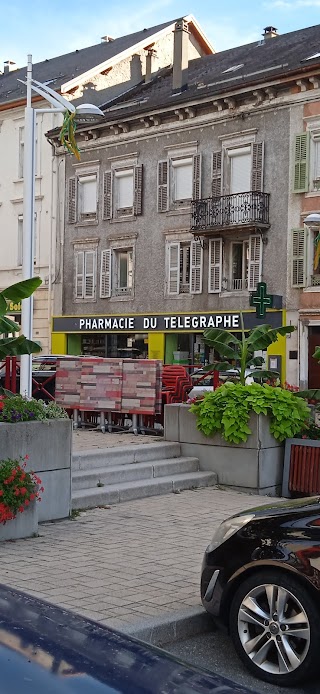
x=18 y=409
x=18 y=488
x=227 y=410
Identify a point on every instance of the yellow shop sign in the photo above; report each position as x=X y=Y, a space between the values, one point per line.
x=14 y=306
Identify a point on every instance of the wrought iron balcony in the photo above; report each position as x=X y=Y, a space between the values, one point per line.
x=230 y=211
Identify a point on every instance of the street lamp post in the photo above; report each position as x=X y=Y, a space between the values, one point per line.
x=85 y=113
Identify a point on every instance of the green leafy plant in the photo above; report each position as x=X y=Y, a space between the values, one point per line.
x=18 y=488
x=227 y=410
x=17 y=409
x=15 y=346
x=241 y=350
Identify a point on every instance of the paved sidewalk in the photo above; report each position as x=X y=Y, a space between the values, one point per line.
x=126 y=563
x=89 y=439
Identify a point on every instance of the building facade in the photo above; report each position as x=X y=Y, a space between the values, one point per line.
x=94 y=75
x=184 y=201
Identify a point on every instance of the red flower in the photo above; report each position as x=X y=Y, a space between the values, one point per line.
x=32 y=497
x=17 y=492
x=1 y=492
x=21 y=509
x=26 y=457
x=23 y=490
x=41 y=489
x=27 y=502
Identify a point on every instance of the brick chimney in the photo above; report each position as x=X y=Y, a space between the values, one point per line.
x=151 y=53
x=180 y=56
x=9 y=66
x=270 y=33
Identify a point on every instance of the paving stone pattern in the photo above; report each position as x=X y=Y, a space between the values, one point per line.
x=127 y=563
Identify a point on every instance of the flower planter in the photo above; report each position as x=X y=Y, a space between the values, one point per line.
x=24 y=525
x=48 y=445
x=255 y=466
x=301 y=472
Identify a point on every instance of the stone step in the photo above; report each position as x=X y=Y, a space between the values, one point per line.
x=124 y=455
x=86 y=479
x=126 y=491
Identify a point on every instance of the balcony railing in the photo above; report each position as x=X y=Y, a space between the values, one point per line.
x=230 y=211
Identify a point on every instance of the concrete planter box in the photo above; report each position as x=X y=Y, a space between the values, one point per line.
x=48 y=445
x=256 y=465
x=24 y=525
x=301 y=472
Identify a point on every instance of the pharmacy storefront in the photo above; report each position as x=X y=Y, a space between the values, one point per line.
x=173 y=338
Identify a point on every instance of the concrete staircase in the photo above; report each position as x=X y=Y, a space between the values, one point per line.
x=112 y=475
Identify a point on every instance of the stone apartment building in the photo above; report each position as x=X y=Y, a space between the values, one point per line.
x=93 y=74
x=185 y=198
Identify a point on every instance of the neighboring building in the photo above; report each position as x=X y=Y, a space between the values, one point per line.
x=305 y=200
x=183 y=202
x=93 y=74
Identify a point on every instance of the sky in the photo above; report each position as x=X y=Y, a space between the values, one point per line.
x=47 y=28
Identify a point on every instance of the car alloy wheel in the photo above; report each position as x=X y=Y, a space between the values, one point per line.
x=274 y=626
x=274 y=629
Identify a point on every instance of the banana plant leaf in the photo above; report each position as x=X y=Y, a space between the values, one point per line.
x=21 y=290
x=16 y=346
x=8 y=326
x=224 y=342
x=264 y=335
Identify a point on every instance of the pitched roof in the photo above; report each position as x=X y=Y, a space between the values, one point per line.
x=215 y=74
x=62 y=71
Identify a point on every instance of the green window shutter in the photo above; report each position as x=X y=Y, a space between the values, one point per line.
x=301 y=163
x=298 y=257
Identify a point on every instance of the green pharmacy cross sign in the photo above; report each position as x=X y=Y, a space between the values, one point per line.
x=261 y=300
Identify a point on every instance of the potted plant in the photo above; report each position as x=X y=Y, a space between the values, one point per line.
x=19 y=492
x=239 y=429
x=44 y=430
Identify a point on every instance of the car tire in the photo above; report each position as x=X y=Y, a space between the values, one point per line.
x=274 y=625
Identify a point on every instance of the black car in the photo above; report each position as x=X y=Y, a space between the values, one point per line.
x=261 y=577
x=47 y=650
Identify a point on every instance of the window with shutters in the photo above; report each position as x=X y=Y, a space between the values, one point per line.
x=184 y=267
x=122 y=192
x=238 y=168
x=239 y=265
x=301 y=163
x=20 y=239
x=87 y=198
x=85 y=274
x=122 y=284
x=179 y=182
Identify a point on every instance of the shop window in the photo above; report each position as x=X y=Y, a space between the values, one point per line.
x=85 y=274
x=122 y=192
x=184 y=267
x=179 y=182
